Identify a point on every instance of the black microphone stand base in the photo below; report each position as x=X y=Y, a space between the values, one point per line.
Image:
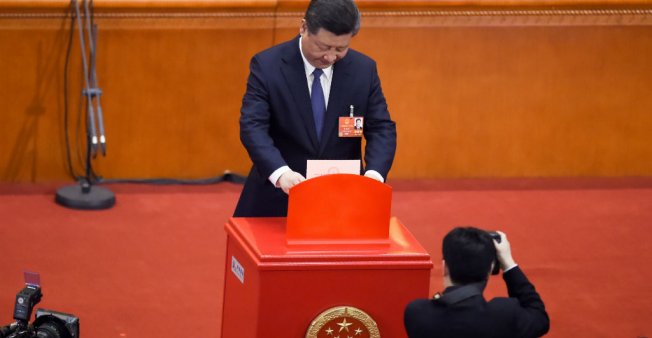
x=85 y=196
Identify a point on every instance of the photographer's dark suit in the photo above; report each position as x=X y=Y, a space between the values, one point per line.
x=521 y=315
x=277 y=126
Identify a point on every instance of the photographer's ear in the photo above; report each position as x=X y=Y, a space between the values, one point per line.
x=447 y=277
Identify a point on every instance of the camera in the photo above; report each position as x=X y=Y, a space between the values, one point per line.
x=47 y=323
x=496 y=237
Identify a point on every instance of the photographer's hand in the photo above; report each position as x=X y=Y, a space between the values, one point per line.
x=504 y=252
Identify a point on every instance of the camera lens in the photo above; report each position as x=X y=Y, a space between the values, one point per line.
x=51 y=329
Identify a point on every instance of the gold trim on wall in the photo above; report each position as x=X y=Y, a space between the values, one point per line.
x=535 y=17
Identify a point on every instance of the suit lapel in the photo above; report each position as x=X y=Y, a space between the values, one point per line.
x=295 y=78
x=336 y=102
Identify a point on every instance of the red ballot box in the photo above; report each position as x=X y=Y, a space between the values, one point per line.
x=338 y=265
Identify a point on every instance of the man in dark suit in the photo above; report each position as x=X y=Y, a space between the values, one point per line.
x=296 y=93
x=462 y=311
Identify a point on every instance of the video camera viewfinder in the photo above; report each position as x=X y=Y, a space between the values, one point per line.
x=28 y=297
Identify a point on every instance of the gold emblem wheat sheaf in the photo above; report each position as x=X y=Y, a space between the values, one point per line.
x=343 y=322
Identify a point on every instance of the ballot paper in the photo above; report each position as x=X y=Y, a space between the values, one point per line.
x=318 y=168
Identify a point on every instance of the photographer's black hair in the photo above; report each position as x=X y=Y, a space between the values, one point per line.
x=336 y=16
x=468 y=253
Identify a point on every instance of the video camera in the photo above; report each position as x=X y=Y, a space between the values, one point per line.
x=47 y=323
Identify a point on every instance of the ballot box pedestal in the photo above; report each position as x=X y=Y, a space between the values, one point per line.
x=275 y=291
x=277 y=284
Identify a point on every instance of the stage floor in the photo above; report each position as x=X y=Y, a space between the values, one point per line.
x=153 y=265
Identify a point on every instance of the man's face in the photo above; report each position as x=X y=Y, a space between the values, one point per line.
x=324 y=48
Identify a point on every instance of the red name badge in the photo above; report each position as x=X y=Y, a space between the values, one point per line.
x=351 y=126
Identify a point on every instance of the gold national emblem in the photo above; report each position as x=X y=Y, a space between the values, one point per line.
x=343 y=322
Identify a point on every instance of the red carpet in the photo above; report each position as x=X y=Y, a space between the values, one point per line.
x=153 y=265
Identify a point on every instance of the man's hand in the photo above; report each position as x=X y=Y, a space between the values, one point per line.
x=504 y=252
x=288 y=180
x=375 y=175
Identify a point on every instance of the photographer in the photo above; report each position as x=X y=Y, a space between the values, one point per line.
x=469 y=257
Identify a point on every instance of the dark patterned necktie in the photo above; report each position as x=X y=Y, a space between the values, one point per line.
x=318 y=102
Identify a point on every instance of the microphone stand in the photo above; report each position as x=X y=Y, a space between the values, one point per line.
x=85 y=195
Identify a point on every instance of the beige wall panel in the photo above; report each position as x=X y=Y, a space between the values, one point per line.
x=176 y=98
x=474 y=93
x=31 y=146
x=171 y=96
x=514 y=100
x=518 y=101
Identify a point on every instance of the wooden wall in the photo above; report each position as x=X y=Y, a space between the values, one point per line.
x=509 y=89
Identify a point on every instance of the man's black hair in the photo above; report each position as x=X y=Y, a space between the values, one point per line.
x=336 y=16
x=468 y=253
